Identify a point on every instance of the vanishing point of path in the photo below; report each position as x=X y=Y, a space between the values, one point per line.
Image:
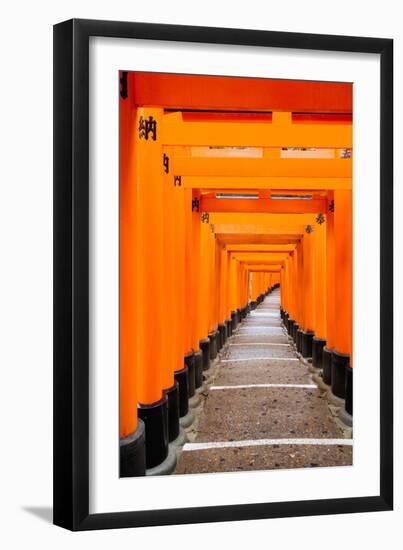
x=261 y=410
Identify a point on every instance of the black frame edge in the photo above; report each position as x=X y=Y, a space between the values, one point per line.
x=71 y=270
x=63 y=470
x=71 y=284
x=386 y=275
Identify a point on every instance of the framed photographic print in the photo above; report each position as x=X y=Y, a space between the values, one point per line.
x=223 y=229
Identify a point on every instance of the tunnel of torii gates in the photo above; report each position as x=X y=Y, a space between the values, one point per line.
x=218 y=206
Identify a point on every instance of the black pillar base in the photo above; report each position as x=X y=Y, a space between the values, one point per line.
x=213 y=344
x=253 y=305
x=190 y=363
x=132 y=462
x=205 y=349
x=340 y=361
x=239 y=313
x=198 y=362
x=222 y=331
x=306 y=344
x=327 y=366
x=317 y=352
x=155 y=418
x=290 y=327
x=299 y=340
x=219 y=339
x=285 y=320
x=349 y=390
x=228 y=327
x=294 y=331
x=234 y=320
x=182 y=377
x=173 y=411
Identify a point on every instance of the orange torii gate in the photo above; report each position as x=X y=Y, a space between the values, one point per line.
x=181 y=273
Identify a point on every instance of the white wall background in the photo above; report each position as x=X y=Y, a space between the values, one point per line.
x=26 y=270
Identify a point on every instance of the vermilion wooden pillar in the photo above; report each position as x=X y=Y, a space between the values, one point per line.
x=178 y=213
x=308 y=292
x=291 y=261
x=132 y=440
x=213 y=323
x=330 y=293
x=204 y=286
x=195 y=304
x=221 y=292
x=223 y=284
x=296 y=293
x=188 y=268
x=169 y=336
x=153 y=407
x=282 y=284
x=234 y=286
x=189 y=282
x=287 y=292
x=319 y=340
x=341 y=355
x=228 y=321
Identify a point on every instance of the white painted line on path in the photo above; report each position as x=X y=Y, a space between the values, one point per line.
x=259 y=359
x=253 y=329
x=244 y=386
x=260 y=442
x=259 y=344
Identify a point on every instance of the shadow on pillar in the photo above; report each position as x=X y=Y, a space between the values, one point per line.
x=222 y=332
x=290 y=326
x=349 y=390
x=132 y=461
x=198 y=363
x=299 y=340
x=155 y=418
x=182 y=378
x=173 y=411
x=205 y=349
x=306 y=343
x=213 y=344
x=190 y=363
x=327 y=366
x=294 y=331
x=340 y=362
x=234 y=321
x=317 y=352
x=285 y=320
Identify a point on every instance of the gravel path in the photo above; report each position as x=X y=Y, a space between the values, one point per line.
x=261 y=410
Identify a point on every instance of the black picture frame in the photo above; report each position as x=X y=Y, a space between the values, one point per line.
x=71 y=273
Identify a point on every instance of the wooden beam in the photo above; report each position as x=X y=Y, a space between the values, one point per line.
x=263 y=267
x=260 y=248
x=262 y=205
x=257 y=239
x=274 y=183
x=181 y=91
x=262 y=167
x=234 y=220
x=284 y=133
x=260 y=257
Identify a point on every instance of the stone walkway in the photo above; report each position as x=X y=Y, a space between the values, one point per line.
x=261 y=410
